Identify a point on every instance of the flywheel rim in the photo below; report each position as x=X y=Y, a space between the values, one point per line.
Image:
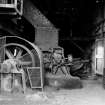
x=21 y=46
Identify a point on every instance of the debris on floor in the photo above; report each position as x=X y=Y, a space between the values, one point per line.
x=66 y=82
x=39 y=96
x=92 y=93
x=4 y=98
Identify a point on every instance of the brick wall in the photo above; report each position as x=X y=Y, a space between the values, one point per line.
x=46 y=38
x=46 y=35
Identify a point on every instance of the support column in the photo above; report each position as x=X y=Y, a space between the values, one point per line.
x=46 y=37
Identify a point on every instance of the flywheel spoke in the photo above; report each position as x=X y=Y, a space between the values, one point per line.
x=25 y=57
x=9 y=54
x=19 y=55
x=25 y=62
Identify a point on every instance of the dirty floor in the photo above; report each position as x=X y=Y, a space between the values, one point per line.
x=92 y=93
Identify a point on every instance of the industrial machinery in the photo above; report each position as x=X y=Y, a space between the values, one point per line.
x=19 y=56
x=57 y=59
x=54 y=61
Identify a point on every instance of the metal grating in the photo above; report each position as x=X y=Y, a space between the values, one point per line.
x=35 y=77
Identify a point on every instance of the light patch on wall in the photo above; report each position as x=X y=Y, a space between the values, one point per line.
x=99 y=57
x=100 y=51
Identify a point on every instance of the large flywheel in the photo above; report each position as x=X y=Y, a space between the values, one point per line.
x=13 y=47
x=18 y=53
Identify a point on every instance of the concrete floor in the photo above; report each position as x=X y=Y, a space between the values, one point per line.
x=92 y=93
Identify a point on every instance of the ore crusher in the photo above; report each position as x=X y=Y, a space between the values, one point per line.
x=18 y=56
